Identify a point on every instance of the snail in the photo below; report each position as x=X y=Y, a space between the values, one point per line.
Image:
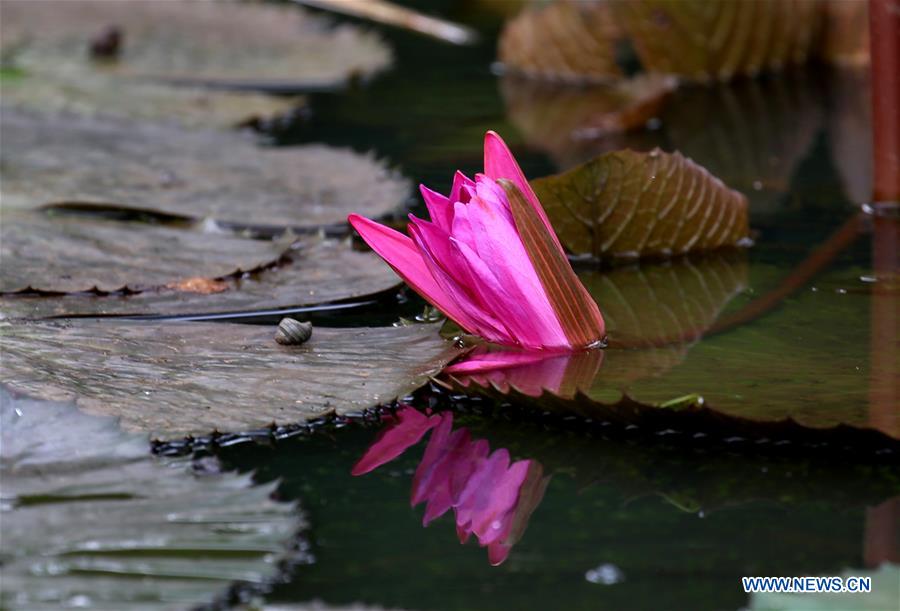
x=292 y=332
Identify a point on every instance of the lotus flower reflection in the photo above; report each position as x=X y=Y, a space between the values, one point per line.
x=490 y=497
x=490 y=260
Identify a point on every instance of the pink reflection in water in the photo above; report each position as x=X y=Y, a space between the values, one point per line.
x=491 y=497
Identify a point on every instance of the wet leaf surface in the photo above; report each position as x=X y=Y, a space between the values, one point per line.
x=562 y=41
x=627 y=204
x=59 y=158
x=315 y=271
x=62 y=253
x=198 y=42
x=719 y=40
x=90 y=518
x=99 y=94
x=768 y=378
x=193 y=378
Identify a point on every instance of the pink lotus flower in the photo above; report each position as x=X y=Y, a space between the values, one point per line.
x=490 y=260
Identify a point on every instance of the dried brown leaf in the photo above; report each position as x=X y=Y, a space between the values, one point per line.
x=707 y=40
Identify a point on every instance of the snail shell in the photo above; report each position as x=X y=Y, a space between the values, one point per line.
x=292 y=332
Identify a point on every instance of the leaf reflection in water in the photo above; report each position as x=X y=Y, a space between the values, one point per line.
x=491 y=497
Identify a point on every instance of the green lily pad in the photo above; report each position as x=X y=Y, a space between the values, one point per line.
x=90 y=518
x=627 y=204
x=207 y=42
x=193 y=378
x=61 y=253
x=314 y=271
x=59 y=158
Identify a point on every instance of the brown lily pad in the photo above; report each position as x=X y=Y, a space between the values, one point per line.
x=627 y=204
x=100 y=94
x=718 y=40
x=248 y=44
x=807 y=368
x=313 y=272
x=565 y=41
x=57 y=158
x=64 y=254
x=193 y=378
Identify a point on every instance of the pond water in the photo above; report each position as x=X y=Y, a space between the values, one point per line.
x=800 y=325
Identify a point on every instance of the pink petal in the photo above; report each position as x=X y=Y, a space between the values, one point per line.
x=492 y=233
x=408 y=429
x=500 y=163
x=401 y=254
x=439 y=208
x=452 y=274
x=462 y=185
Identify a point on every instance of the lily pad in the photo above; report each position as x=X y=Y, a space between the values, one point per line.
x=193 y=378
x=740 y=380
x=64 y=254
x=90 y=518
x=59 y=158
x=100 y=94
x=704 y=41
x=627 y=204
x=562 y=41
x=247 y=44
x=315 y=271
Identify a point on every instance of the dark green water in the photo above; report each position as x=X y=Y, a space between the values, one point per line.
x=639 y=522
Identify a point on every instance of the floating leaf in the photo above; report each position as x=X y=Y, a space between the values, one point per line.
x=708 y=40
x=629 y=204
x=193 y=378
x=99 y=94
x=90 y=518
x=315 y=271
x=61 y=253
x=58 y=158
x=197 y=42
x=558 y=119
x=568 y=41
x=759 y=379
